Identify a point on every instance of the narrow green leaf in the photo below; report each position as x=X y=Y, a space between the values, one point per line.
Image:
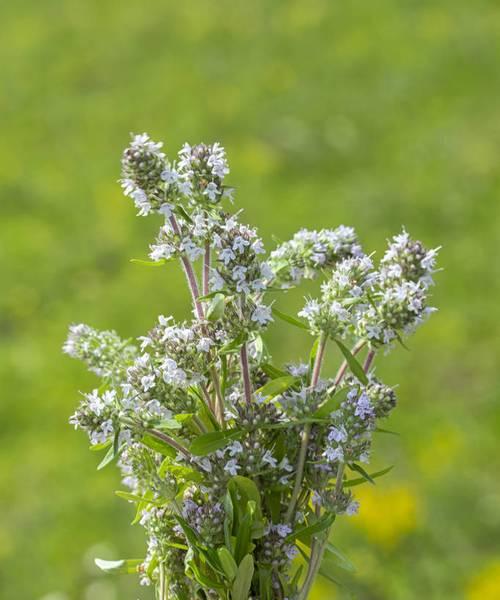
x=304 y=533
x=243 y=582
x=265 y=591
x=228 y=520
x=228 y=563
x=216 y=307
x=99 y=447
x=273 y=371
x=289 y=319
x=159 y=446
x=330 y=404
x=354 y=365
x=312 y=355
x=360 y=480
x=362 y=472
x=234 y=345
x=111 y=454
x=213 y=440
x=135 y=498
x=339 y=558
x=149 y=263
x=119 y=566
x=169 y=424
x=179 y=209
x=379 y=430
x=212 y=295
x=277 y=386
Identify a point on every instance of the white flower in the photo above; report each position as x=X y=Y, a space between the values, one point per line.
x=170 y=176
x=147 y=382
x=211 y=191
x=269 y=459
x=262 y=315
x=234 y=449
x=352 y=508
x=204 y=344
x=282 y=530
x=232 y=467
x=226 y=255
x=238 y=273
x=334 y=454
x=239 y=244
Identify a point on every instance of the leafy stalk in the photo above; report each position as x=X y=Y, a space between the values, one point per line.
x=306 y=432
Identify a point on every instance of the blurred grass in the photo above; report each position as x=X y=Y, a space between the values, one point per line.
x=374 y=114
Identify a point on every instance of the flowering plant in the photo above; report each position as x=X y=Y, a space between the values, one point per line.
x=237 y=465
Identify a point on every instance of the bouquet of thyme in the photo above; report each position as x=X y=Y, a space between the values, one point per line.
x=237 y=465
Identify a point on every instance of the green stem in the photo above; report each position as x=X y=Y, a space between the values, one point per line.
x=318 y=547
x=306 y=432
x=163 y=582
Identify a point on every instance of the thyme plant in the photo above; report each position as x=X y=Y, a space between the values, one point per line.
x=237 y=465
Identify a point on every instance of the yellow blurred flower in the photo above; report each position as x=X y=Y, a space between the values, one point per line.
x=387 y=514
x=486 y=584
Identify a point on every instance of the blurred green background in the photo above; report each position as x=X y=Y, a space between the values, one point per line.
x=374 y=114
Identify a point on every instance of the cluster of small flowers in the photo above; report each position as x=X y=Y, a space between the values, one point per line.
x=182 y=351
x=310 y=252
x=335 y=311
x=96 y=415
x=207 y=431
x=398 y=302
x=300 y=403
x=104 y=352
x=189 y=238
x=276 y=552
x=206 y=518
x=375 y=305
x=163 y=541
x=205 y=167
x=156 y=185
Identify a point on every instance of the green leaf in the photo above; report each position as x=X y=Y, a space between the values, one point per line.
x=273 y=371
x=135 y=498
x=99 y=447
x=212 y=295
x=339 y=558
x=213 y=440
x=111 y=454
x=149 y=263
x=304 y=533
x=202 y=579
x=216 y=307
x=228 y=520
x=159 y=446
x=234 y=345
x=362 y=472
x=330 y=404
x=169 y=424
x=243 y=582
x=246 y=490
x=354 y=365
x=277 y=386
x=119 y=566
x=180 y=210
x=360 y=480
x=228 y=563
x=289 y=319
x=379 y=430
x=265 y=591
x=312 y=355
